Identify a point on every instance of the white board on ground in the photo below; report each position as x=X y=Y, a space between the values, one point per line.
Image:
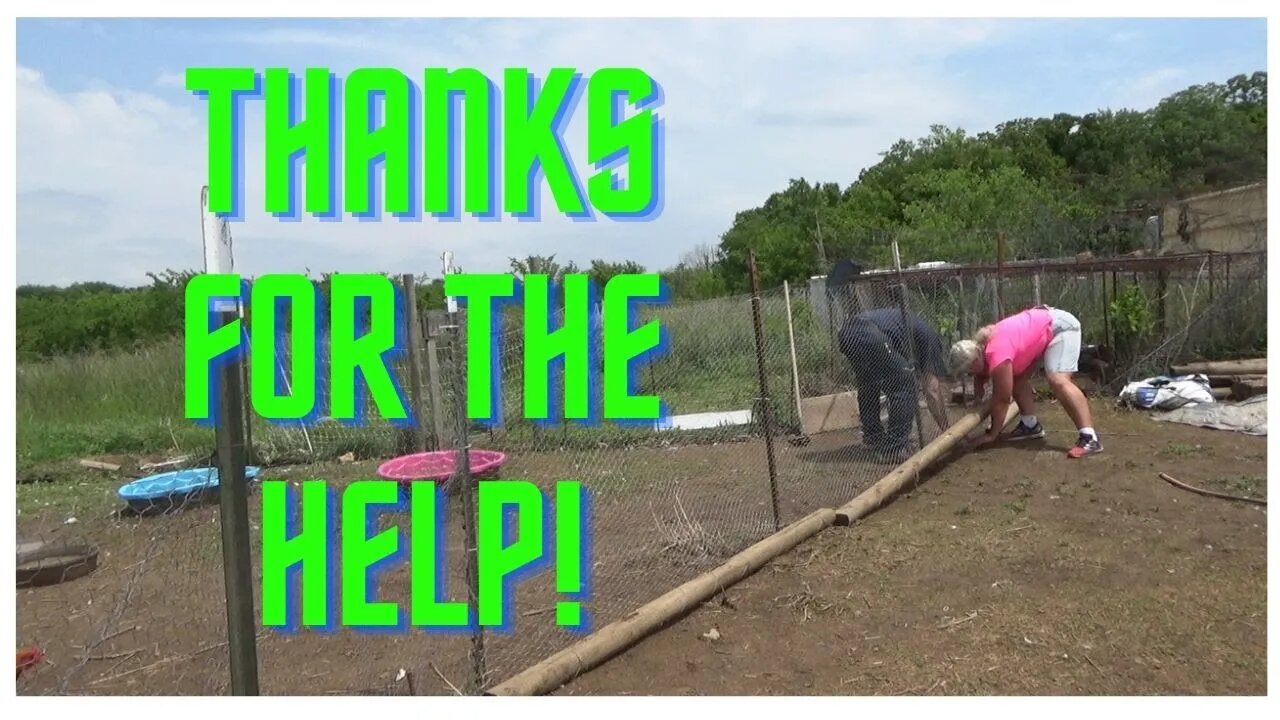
x=826 y=413
x=701 y=421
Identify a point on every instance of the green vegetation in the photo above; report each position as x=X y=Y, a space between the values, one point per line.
x=1132 y=322
x=104 y=403
x=108 y=377
x=1053 y=185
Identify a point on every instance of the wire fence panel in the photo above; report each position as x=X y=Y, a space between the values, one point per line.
x=667 y=503
x=848 y=393
x=121 y=602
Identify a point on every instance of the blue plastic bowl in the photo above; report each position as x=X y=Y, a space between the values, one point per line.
x=174 y=489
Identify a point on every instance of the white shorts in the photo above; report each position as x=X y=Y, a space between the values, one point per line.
x=1063 y=352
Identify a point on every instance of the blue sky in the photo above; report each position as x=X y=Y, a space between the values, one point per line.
x=111 y=148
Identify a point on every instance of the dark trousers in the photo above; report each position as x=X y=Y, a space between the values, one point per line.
x=881 y=374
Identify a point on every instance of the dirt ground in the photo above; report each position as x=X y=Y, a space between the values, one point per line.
x=1011 y=571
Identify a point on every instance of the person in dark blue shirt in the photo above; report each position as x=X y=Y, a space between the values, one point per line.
x=875 y=342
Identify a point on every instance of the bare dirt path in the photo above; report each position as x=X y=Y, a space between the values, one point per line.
x=1013 y=571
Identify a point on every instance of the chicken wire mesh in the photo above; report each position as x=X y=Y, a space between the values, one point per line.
x=666 y=503
x=669 y=501
x=117 y=601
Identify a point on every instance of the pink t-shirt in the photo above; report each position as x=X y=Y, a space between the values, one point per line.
x=1020 y=338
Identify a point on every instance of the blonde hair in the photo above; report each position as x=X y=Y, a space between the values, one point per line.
x=966 y=352
x=983 y=336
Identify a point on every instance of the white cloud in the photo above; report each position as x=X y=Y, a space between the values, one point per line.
x=171 y=80
x=748 y=105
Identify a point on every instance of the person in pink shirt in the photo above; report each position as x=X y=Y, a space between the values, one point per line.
x=1008 y=352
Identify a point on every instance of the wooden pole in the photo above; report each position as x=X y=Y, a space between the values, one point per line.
x=233 y=491
x=962 y=329
x=462 y=475
x=413 y=335
x=1162 y=297
x=436 y=392
x=999 y=275
x=1224 y=367
x=251 y=456
x=766 y=411
x=233 y=500
x=795 y=367
x=1106 y=312
x=890 y=484
x=1226 y=381
x=465 y=483
x=612 y=639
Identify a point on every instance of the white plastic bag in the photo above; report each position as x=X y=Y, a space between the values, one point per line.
x=1167 y=393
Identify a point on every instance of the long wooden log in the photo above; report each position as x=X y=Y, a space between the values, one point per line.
x=1229 y=380
x=1257 y=366
x=612 y=639
x=874 y=496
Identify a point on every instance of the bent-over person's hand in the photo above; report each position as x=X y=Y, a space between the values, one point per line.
x=985 y=438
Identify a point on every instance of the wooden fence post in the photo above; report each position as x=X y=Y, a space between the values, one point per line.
x=413 y=332
x=435 y=392
x=999 y=275
x=233 y=491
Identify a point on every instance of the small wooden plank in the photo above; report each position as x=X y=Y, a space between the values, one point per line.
x=96 y=465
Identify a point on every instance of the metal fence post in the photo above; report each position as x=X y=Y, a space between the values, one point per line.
x=233 y=494
x=909 y=340
x=766 y=411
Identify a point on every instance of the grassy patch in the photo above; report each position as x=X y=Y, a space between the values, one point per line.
x=70 y=495
x=1017 y=507
x=1247 y=485
x=1183 y=450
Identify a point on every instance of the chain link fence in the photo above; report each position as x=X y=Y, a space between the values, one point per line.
x=780 y=404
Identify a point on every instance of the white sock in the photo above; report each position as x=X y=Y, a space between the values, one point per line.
x=1090 y=432
x=1029 y=420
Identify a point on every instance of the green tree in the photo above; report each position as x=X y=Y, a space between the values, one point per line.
x=601 y=271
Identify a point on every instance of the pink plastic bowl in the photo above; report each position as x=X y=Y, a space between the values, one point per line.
x=438 y=465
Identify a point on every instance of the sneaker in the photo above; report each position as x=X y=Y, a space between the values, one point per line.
x=1086 y=445
x=1022 y=432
